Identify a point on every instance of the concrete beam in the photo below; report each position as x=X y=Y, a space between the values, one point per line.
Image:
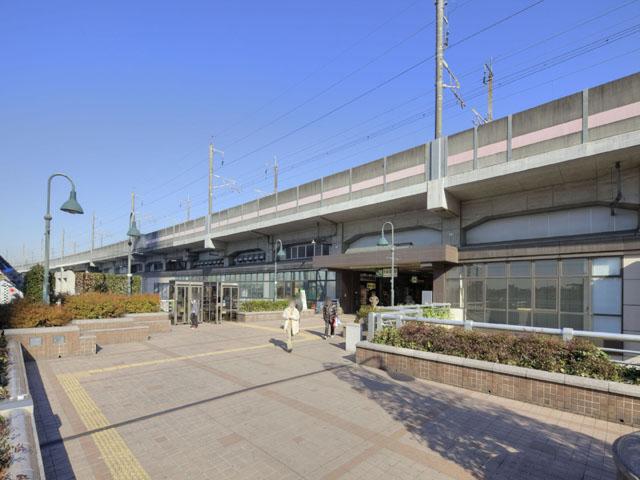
x=440 y=201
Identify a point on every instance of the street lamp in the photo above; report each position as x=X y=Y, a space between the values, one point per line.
x=133 y=233
x=382 y=242
x=70 y=206
x=278 y=255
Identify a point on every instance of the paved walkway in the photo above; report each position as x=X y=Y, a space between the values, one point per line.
x=225 y=401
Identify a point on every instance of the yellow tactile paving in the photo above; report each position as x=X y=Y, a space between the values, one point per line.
x=116 y=455
x=119 y=459
x=114 y=368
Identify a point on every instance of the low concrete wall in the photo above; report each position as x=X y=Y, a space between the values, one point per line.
x=53 y=342
x=18 y=409
x=612 y=401
x=82 y=336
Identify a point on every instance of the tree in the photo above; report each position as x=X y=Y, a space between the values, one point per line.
x=33 y=281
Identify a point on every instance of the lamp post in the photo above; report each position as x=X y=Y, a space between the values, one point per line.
x=382 y=242
x=278 y=254
x=133 y=233
x=70 y=206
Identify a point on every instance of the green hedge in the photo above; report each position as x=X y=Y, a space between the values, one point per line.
x=91 y=282
x=436 y=312
x=263 y=305
x=577 y=357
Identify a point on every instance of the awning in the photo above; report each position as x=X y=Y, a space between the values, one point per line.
x=406 y=257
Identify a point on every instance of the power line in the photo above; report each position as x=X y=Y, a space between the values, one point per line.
x=381 y=84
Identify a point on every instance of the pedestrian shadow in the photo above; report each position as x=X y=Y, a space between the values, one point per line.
x=486 y=439
x=54 y=454
x=279 y=343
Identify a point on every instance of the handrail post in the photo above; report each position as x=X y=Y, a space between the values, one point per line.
x=567 y=334
x=371 y=326
x=468 y=324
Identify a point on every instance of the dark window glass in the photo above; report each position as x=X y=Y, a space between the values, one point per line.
x=519 y=293
x=574 y=267
x=545 y=268
x=546 y=320
x=497 y=293
x=572 y=320
x=572 y=297
x=475 y=270
x=521 y=317
x=496 y=316
x=546 y=293
x=520 y=269
x=496 y=270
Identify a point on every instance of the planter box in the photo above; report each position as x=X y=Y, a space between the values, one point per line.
x=612 y=401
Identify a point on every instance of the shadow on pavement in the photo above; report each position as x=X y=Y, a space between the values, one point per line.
x=54 y=455
x=487 y=440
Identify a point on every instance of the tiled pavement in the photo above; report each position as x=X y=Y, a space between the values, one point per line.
x=225 y=401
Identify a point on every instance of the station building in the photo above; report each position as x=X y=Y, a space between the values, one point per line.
x=530 y=219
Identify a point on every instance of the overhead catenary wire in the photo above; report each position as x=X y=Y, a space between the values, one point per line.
x=476 y=33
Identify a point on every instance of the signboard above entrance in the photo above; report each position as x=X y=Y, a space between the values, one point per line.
x=386 y=272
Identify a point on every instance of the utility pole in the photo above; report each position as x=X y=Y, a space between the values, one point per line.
x=208 y=241
x=488 y=81
x=187 y=205
x=93 y=236
x=439 y=64
x=275 y=174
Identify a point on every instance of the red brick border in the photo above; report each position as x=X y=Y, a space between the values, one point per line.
x=611 y=401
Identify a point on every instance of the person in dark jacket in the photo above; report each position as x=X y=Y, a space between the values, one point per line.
x=329 y=317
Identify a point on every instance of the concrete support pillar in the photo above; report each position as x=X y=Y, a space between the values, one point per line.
x=439 y=282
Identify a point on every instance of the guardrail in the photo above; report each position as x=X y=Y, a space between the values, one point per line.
x=379 y=320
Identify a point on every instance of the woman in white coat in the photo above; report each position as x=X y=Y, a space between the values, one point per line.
x=291 y=324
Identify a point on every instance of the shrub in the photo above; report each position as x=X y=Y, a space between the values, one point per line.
x=6 y=450
x=576 y=357
x=93 y=282
x=33 y=283
x=104 y=305
x=25 y=314
x=263 y=305
x=436 y=312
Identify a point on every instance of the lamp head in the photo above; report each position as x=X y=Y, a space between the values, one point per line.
x=72 y=205
x=382 y=241
x=281 y=255
x=133 y=230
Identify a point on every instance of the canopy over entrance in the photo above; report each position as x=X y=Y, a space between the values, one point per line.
x=405 y=257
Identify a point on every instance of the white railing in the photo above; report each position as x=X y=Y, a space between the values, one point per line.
x=400 y=315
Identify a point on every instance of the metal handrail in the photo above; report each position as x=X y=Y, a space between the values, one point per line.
x=378 y=320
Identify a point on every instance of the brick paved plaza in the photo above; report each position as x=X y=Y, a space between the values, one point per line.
x=225 y=401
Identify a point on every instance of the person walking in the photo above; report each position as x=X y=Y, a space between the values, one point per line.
x=194 y=313
x=329 y=317
x=291 y=325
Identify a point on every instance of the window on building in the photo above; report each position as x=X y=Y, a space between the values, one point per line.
x=559 y=223
x=578 y=293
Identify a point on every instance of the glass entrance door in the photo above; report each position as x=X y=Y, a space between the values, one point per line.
x=184 y=294
x=209 y=302
x=228 y=300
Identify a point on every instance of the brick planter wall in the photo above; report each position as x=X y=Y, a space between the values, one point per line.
x=612 y=401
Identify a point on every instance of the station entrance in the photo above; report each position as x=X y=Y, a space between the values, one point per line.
x=211 y=301
x=410 y=286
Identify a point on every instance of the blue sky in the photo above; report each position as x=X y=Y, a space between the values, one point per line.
x=124 y=96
